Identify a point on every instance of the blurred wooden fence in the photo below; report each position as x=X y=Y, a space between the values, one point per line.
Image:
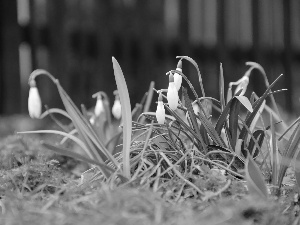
x=75 y=40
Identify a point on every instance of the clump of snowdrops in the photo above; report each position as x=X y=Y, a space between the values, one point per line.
x=180 y=141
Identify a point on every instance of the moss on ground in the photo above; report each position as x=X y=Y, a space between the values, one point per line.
x=39 y=187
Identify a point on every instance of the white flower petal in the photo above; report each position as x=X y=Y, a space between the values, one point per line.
x=178 y=79
x=99 y=108
x=172 y=96
x=34 y=103
x=160 y=113
x=92 y=120
x=243 y=84
x=117 y=109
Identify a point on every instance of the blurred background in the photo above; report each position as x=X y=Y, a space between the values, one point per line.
x=75 y=40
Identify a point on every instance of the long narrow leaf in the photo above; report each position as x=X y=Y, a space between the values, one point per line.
x=274 y=152
x=245 y=101
x=289 y=128
x=188 y=105
x=55 y=110
x=221 y=88
x=255 y=181
x=126 y=115
x=290 y=151
x=211 y=130
x=148 y=100
x=84 y=128
x=70 y=136
x=107 y=171
x=297 y=168
x=256 y=106
x=233 y=121
x=223 y=117
x=259 y=135
x=182 y=123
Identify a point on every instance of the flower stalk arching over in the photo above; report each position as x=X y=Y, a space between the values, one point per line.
x=117 y=108
x=172 y=94
x=178 y=77
x=160 y=111
x=34 y=101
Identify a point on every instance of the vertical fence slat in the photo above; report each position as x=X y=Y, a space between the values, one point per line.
x=221 y=31
x=256 y=78
x=287 y=55
x=10 y=88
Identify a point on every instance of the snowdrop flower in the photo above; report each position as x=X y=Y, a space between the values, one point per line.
x=92 y=120
x=160 y=111
x=99 y=108
x=242 y=84
x=172 y=95
x=196 y=108
x=34 y=101
x=117 y=109
x=178 y=77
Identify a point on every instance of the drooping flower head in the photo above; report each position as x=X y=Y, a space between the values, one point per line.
x=172 y=95
x=178 y=77
x=34 y=101
x=117 y=108
x=160 y=111
x=242 y=83
x=99 y=108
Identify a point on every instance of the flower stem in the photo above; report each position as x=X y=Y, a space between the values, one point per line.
x=38 y=72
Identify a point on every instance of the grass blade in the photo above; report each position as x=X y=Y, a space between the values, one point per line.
x=221 y=88
x=126 y=115
x=182 y=123
x=274 y=152
x=151 y=116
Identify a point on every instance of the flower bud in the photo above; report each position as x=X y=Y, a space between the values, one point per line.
x=117 y=109
x=172 y=95
x=34 y=101
x=160 y=111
